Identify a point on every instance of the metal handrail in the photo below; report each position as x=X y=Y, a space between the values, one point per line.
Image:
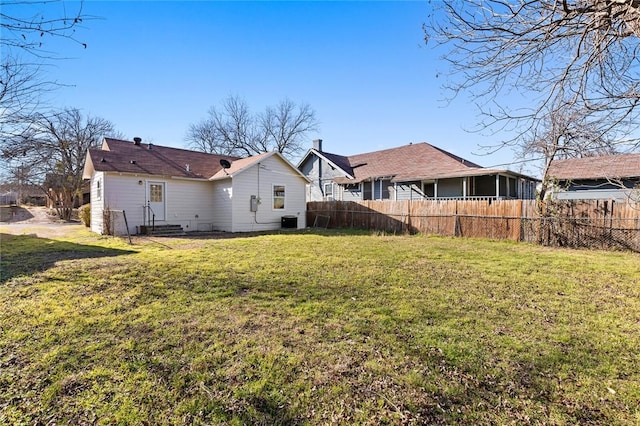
x=149 y=216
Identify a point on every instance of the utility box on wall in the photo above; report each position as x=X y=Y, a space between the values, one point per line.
x=253 y=204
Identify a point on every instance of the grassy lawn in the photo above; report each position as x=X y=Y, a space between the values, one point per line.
x=316 y=328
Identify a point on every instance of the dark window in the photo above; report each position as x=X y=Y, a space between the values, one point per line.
x=429 y=189
x=366 y=191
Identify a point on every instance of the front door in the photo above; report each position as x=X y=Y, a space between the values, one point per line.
x=157 y=198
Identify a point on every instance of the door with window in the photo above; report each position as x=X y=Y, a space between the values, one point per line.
x=157 y=199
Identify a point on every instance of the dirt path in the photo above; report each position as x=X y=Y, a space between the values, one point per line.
x=26 y=214
x=33 y=220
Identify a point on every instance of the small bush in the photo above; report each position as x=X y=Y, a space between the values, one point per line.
x=84 y=213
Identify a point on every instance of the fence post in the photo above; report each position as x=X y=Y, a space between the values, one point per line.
x=126 y=224
x=610 y=242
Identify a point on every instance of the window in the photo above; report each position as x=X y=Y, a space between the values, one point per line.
x=513 y=190
x=278 y=197
x=429 y=189
x=328 y=191
x=366 y=190
x=99 y=189
x=381 y=189
x=155 y=193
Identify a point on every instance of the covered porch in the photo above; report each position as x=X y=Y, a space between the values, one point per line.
x=476 y=184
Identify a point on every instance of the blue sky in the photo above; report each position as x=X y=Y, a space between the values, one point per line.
x=153 y=68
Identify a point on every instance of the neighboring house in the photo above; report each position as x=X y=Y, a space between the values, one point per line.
x=22 y=194
x=607 y=177
x=170 y=186
x=412 y=172
x=53 y=184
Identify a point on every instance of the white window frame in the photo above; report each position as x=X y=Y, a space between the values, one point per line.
x=328 y=195
x=98 y=189
x=159 y=191
x=274 y=197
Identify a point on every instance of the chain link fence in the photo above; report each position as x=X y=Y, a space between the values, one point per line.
x=605 y=233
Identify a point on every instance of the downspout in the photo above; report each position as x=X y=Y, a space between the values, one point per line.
x=320 y=178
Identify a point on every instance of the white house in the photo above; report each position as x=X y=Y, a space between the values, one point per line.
x=155 y=186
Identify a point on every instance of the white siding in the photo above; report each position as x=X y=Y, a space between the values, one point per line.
x=271 y=171
x=124 y=193
x=189 y=203
x=222 y=196
x=97 y=202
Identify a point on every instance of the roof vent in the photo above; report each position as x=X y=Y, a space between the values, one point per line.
x=187 y=167
x=133 y=161
x=150 y=146
x=102 y=160
x=136 y=141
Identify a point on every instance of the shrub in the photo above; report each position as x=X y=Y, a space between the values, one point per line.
x=84 y=213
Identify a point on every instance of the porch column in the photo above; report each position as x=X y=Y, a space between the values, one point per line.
x=464 y=188
x=497 y=186
x=435 y=189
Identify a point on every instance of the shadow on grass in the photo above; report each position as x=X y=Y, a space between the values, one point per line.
x=14 y=214
x=27 y=254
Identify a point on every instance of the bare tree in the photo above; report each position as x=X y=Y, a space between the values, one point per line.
x=566 y=133
x=229 y=130
x=233 y=129
x=286 y=125
x=26 y=27
x=53 y=150
x=557 y=56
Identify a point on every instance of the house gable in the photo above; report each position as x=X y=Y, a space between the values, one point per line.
x=242 y=165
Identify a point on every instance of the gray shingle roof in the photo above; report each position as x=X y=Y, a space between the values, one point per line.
x=408 y=162
x=604 y=167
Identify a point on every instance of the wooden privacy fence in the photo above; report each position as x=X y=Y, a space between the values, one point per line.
x=576 y=223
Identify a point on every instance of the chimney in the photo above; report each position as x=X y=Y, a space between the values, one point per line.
x=136 y=141
x=317 y=144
